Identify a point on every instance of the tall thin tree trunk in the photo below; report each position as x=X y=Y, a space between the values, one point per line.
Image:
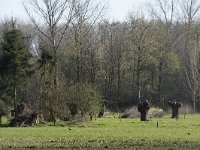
x=118 y=80
x=41 y=104
x=138 y=81
x=15 y=93
x=132 y=83
x=160 y=82
x=194 y=101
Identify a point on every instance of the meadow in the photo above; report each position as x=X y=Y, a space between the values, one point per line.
x=107 y=133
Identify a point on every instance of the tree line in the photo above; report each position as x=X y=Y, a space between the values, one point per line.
x=74 y=61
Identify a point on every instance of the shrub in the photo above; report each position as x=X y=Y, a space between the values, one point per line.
x=84 y=98
x=3 y=110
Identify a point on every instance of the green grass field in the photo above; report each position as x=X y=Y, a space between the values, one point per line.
x=109 y=132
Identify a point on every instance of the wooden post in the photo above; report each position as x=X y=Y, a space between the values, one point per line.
x=120 y=118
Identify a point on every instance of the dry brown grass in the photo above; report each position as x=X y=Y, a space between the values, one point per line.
x=133 y=112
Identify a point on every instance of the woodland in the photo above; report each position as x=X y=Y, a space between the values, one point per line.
x=67 y=59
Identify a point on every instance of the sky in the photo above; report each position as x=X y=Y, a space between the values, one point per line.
x=117 y=9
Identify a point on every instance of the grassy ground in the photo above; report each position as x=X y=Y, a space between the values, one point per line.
x=109 y=132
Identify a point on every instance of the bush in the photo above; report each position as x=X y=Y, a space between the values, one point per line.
x=3 y=110
x=84 y=98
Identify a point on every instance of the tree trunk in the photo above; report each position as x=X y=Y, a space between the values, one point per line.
x=143 y=116
x=138 y=80
x=143 y=108
x=175 y=107
x=160 y=82
x=15 y=94
x=118 y=81
x=194 y=102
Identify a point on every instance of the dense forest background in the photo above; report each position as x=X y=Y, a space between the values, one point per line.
x=69 y=59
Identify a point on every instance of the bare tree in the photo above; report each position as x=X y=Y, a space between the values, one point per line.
x=83 y=40
x=190 y=38
x=165 y=10
x=164 y=16
x=140 y=41
x=56 y=17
